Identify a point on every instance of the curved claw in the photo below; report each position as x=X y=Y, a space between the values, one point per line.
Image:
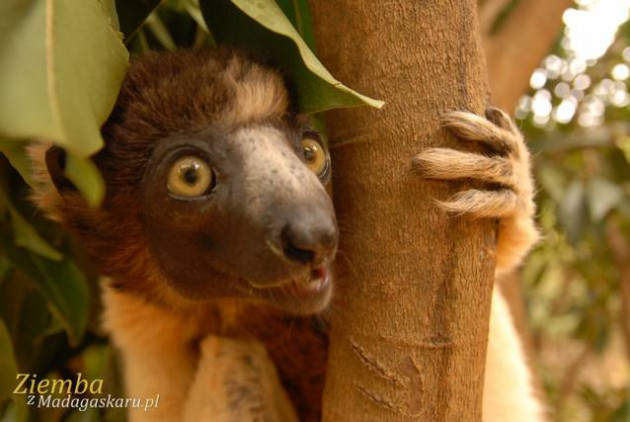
x=482 y=204
x=450 y=164
x=470 y=127
x=501 y=119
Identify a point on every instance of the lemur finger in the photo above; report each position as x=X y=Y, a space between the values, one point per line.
x=450 y=164
x=499 y=118
x=482 y=204
x=470 y=127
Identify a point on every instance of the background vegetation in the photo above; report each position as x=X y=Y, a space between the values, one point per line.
x=577 y=282
x=576 y=117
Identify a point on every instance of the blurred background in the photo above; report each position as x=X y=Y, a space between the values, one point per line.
x=576 y=117
x=562 y=67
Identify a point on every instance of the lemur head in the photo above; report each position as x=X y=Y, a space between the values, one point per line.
x=215 y=186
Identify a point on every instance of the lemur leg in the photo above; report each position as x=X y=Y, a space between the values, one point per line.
x=236 y=381
x=508 y=392
x=158 y=357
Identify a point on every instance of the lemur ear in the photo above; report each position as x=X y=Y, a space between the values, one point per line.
x=56 y=164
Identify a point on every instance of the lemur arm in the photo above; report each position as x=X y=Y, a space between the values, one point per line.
x=236 y=381
x=156 y=356
x=213 y=379
x=510 y=192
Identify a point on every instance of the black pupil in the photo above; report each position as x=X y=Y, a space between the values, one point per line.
x=190 y=175
x=309 y=154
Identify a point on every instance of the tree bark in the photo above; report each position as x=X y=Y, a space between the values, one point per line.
x=519 y=46
x=410 y=320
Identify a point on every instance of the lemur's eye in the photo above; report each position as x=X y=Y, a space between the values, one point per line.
x=316 y=156
x=190 y=176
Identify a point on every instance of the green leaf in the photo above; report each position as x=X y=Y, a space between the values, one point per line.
x=66 y=288
x=24 y=234
x=139 y=44
x=109 y=6
x=553 y=180
x=8 y=365
x=62 y=284
x=16 y=411
x=132 y=14
x=84 y=174
x=192 y=7
x=55 y=326
x=61 y=65
x=261 y=26
x=602 y=197
x=27 y=237
x=95 y=361
x=15 y=151
x=572 y=212
x=622 y=412
x=5 y=269
x=299 y=14
x=160 y=31
x=28 y=325
x=623 y=144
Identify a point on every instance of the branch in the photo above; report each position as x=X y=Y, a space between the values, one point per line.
x=519 y=46
x=489 y=10
x=621 y=253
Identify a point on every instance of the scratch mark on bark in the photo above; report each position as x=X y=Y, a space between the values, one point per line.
x=411 y=369
x=375 y=366
x=437 y=341
x=386 y=404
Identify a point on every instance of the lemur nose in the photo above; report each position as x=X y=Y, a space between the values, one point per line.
x=312 y=244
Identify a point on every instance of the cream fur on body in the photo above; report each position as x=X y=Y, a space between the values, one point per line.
x=508 y=394
x=157 y=361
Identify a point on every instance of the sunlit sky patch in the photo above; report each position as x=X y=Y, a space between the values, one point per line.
x=590 y=31
x=563 y=91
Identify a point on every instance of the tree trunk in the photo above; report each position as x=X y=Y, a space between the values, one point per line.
x=410 y=321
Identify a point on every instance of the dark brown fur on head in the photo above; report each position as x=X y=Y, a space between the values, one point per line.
x=185 y=92
x=162 y=95
x=172 y=95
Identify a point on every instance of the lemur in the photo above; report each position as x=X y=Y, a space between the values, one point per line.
x=216 y=237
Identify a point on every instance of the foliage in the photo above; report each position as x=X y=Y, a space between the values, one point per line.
x=61 y=65
x=577 y=123
x=60 y=69
x=267 y=26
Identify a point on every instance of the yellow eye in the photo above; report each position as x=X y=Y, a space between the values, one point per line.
x=190 y=177
x=315 y=156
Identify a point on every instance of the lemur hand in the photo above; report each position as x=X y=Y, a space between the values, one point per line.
x=504 y=172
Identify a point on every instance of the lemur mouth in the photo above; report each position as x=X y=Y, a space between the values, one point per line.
x=305 y=295
x=316 y=283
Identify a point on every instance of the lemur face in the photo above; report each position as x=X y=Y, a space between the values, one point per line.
x=243 y=212
x=215 y=188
